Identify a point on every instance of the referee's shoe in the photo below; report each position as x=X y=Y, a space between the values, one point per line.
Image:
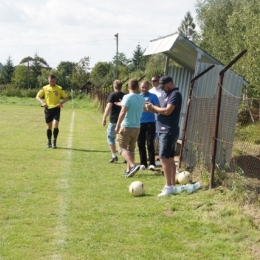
x=49 y=144
x=54 y=144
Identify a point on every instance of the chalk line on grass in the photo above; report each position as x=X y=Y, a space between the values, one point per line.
x=61 y=229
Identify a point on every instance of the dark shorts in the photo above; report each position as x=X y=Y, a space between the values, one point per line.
x=52 y=114
x=167 y=145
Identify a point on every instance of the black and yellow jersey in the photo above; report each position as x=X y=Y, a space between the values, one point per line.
x=52 y=95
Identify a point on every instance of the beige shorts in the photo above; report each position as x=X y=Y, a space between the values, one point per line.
x=127 y=138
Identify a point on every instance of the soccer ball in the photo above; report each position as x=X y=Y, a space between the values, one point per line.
x=176 y=177
x=184 y=177
x=136 y=188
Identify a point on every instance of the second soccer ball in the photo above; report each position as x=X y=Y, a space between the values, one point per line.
x=137 y=189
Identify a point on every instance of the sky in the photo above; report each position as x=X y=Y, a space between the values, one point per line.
x=69 y=30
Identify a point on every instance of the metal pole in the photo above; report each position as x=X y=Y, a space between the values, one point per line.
x=28 y=78
x=215 y=137
x=116 y=35
x=188 y=109
x=166 y=69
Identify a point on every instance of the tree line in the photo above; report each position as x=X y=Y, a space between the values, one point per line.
x=225 y=28
x=32 y=72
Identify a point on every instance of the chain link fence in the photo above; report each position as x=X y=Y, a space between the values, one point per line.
x=101 y=93
x=237 y=148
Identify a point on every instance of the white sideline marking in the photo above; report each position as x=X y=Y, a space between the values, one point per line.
x=61 y=229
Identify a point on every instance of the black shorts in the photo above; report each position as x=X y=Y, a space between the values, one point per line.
x=52 y=114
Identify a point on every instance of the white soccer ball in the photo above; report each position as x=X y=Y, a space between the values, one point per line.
x=136 y=188
x=176 y=177
x=184 y=177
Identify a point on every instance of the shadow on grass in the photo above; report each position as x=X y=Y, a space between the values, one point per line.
x=83 y=150
x=147 y=195
x=150 y=173
x=249 y=164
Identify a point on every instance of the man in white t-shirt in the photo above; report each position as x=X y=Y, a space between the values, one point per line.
x=157 y=91
x=161 y=96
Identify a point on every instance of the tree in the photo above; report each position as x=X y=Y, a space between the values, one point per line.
x=62 y=79
x=1 y=79
x=36 y=57
x=1 y=75
x=227 y=28
x=244 y=27
x=102 y=73
x=187 y=27
x=20 y=78
x=122 y=60
x=212 y=17
x=80 y=73
x=7 y=71
x=137 y=61
x=123 y=65
x=155 y=65
x=67 y=66
x=36 y=65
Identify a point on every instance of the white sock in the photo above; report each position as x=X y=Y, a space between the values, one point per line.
x=113 y=155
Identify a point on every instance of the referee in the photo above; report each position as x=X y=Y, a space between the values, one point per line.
x=52 y=94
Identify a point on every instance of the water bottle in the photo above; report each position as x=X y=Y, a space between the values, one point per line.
x=181 y=188
x=193 y=187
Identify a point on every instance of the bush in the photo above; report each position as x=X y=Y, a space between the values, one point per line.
x=29 y=92
x=11 y=91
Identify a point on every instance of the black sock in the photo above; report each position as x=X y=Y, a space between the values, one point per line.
x=49 y=134
x=55 y=132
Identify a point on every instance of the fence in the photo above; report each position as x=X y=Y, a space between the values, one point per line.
x=223 y=130
x=102 y=92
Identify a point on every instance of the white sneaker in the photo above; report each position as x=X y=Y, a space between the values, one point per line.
x=152 y=167
x=142 y=167
x=167 y=190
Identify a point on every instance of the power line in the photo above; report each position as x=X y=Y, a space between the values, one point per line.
x=57 y=44
x=75 y=36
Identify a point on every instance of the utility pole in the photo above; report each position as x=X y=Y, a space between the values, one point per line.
x=28 y=75
x=116 y=35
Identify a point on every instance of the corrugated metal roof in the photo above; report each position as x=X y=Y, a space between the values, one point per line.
x=202 y=114
x=180 y=49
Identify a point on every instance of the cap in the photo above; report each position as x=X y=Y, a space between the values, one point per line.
x=164 y=80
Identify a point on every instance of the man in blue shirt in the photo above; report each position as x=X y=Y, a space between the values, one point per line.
x=147 y=129
x=167 y=126
x=128 y=125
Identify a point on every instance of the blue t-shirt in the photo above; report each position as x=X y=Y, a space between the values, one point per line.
x=135 y=104
x=170 y=123
x=148 y=117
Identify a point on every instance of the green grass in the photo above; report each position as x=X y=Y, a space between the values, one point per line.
x=249 y=133
x=70 y=203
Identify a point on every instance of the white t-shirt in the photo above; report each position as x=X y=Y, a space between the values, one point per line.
x=160 y=94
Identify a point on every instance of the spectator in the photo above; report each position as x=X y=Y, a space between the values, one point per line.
x=161 y=96
x=128 y=125
x=147 y=129
x=113 y=110
x=167 y=126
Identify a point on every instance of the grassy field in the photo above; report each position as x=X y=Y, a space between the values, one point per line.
x=70 y=203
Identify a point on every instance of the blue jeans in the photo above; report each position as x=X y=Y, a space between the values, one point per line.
x=167 y=145
x=111 y=134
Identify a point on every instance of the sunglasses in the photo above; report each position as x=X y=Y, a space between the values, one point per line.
x=155 y=80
